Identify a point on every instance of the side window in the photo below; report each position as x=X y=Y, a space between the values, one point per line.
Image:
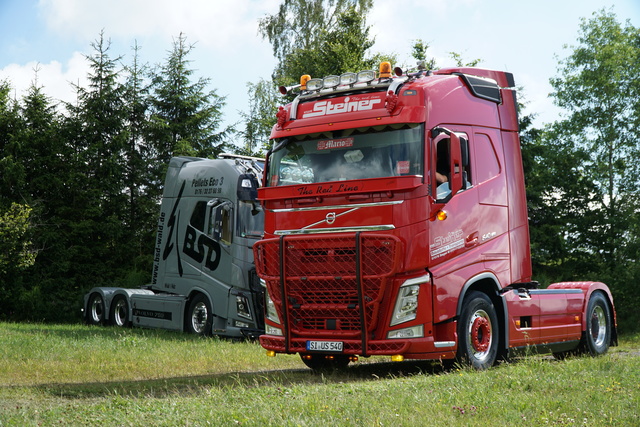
x=198 y=216
x=226 y=223
x=221 y=221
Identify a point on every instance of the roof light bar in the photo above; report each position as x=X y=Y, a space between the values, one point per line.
x=346 y=79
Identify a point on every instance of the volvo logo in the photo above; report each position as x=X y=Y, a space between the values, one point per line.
x=331 y=218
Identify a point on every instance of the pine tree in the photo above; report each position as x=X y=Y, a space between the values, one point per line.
x=185 y=118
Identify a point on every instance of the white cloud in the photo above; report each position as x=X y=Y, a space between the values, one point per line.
x=56 y=78
x=221 y=25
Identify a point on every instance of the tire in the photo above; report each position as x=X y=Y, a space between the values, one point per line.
x=119 y=312
x=199 y=319
x=478 y=332
x=320 y=363
x=597 y=337
x=95 y=309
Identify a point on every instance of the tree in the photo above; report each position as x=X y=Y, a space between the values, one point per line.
x=11 y=170
x=559 y=196
x=140 y=221
x=263 y=102
x=299 y=24
x=16 y=252
x=337 y=48
x=587 y=169
x=598 y=86
x=319 y=38
x=184 y=117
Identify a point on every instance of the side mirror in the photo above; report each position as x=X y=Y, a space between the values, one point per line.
x=247 y=187
x=456 y=164
x=452 y=159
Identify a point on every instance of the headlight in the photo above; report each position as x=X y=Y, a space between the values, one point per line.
x=271 y=312
x=242 y=307
x=406 y=304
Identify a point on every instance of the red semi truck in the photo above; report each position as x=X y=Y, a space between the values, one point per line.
x=396 y=224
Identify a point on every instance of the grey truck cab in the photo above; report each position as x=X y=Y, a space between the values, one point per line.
x=203 y=279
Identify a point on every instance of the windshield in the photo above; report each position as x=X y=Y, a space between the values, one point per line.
x=250 y=220
x=371 y=152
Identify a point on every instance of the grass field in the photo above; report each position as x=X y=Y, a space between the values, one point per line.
x=79 y=375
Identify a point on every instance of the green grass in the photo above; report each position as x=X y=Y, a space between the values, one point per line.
x=78 y=375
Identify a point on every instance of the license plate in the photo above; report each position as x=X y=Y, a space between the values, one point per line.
x=331 y=346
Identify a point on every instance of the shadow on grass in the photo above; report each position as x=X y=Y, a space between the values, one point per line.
x=276 y=378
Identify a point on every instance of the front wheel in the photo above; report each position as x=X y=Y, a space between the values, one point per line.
x=597 y=337
x=199 y=318
x=478 y=332
x=119 y=313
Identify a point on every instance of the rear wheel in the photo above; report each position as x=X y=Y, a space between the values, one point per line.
x=199 y=316
x=478 y=332
x=95 y=309
x=597 y=337
x=119 y=313
x=323 y=362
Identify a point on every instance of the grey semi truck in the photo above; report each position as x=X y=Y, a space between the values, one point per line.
x=203 y=279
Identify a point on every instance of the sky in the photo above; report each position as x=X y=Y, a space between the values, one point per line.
x=526 y=38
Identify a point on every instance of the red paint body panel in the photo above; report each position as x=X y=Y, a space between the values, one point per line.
x=338 y=253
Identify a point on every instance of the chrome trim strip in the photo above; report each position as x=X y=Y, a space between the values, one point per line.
x=335 y=229
x=443 y=344
x=354 y=206
x=417 y=280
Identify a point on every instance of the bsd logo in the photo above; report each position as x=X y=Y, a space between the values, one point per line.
x=198 y=248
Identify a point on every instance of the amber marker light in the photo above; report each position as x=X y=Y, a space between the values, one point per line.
x=397 y=358
x=271 y=353
x=385 y=70
x=441 y=215
x=303 y=81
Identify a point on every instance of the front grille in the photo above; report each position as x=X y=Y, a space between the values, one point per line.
x=326 y=277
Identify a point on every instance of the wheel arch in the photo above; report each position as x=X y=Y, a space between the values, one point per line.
x=199 y=291
x=488 y=284
x=193 y=293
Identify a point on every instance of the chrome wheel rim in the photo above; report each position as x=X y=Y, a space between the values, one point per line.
x=480 y=336
x=199 y=318
x=97 y=310
x=598 y=326
x=120 y=313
